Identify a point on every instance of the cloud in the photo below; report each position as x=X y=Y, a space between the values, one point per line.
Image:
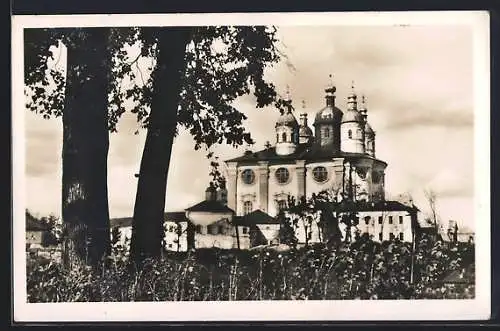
x=43 y=145
x=418 y=83
x=414 y=117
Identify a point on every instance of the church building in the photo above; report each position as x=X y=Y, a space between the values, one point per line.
x=338 y=156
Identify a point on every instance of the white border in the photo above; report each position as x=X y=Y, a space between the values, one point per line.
x=478 y=308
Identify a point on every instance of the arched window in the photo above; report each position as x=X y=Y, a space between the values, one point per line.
x=277 y=138
x=247 y=207
x=198 y=228
x=283 y=137
x=248 y=176
x=282 y=175
x=349 y=134
x=320 y=174
x=367 y=220
x=282 y=205
x=327 y=133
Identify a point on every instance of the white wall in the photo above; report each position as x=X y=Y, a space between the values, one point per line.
x=245 y=191
x=289 y=188
x=314 y=187
x=270 y=231
x=171 y=237
x=356 y=143
x=374 y=228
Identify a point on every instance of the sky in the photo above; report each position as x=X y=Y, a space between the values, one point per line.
x=418 y=83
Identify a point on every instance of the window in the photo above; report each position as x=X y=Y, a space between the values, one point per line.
x=380 y=236
x=248 y=176
x=327 y=133
x=401 y=236
x=283 y=136
x=282 y=175
x=198 y=229
x=213 y=229
x=247 y=207
x=400 y=219
x=245 y=230
x=222 y=230
x=390 y=219
x=169 y=245
x=320 y=174
x=281 y=205
x=380 y=220
x=367 y=220
x=391 y=236
x=349 y=134
x=277 y=138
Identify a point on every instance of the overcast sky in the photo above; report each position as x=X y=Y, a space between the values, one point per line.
x=419 y=90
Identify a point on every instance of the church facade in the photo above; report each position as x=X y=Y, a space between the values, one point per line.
x=337 y=155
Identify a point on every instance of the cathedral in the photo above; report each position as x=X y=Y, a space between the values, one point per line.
x=338 y=155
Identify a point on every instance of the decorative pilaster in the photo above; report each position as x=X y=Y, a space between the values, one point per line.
x=263 y=185
x=232 y=178
x=300 y=171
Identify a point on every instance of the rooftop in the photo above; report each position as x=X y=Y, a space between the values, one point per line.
x=121 y=222
x=303 y=152
x=211 y=206
x=255 y=217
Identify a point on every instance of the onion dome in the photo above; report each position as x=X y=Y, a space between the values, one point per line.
x=287 y=118
x=352 y=114
x=330 y=113
x=304 y=129
x=364 y=112
x=368 y=130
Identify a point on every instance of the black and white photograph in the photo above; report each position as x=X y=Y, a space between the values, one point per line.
x=231 y=166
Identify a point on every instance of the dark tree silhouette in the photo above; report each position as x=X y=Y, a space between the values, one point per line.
x=199 y=73
x=81 y=98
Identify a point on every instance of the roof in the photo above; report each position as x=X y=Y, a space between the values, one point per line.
x=352 y=115
x=328 y=114
x=254 y=218
x=386 y=205
x=304 y=151
x=305 y=131
x=121 y=222
x=287 y=118
x=211 y=206
x=32 y=224
x=368 y=130
x=177 y=216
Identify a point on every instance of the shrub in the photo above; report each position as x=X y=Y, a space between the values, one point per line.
x=360 y=270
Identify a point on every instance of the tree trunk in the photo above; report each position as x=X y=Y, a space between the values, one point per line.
x=152 y=184
x=85 y=149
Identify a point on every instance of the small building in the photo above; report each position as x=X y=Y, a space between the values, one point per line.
x=211 y=222
x=36 y=233
x=257 y=228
